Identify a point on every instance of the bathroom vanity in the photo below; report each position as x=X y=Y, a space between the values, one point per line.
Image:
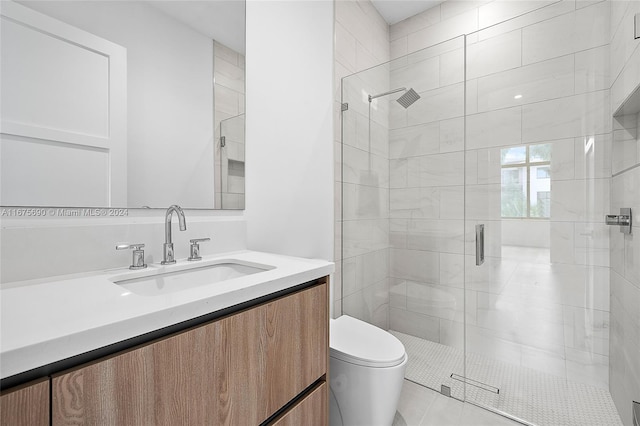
x=258 y=356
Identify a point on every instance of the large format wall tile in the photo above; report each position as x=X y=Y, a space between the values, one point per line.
x=421 y=76
x=584 y=200
x=579 y=115
x=541 y=81
x=464 y=23
x=624 y=346
x=496 y=12
x=364 y=236
x=434 y=105
x=444 y=236
x=573 y=32
x=495 y=128
x=495 y=54
x=415 y=265
x=415 y=324
x=364 y=202
x=436 y=170
x=592 y=70
x=414 y=141
x=435 y=300
x=423 y=203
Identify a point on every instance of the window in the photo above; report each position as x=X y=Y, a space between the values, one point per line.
x=526 y=181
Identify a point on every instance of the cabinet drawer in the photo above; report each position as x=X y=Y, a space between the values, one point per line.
x=237 y=370
x=27 y=405
x=312 y=410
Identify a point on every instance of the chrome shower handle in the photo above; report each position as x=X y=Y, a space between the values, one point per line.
x=479 y=244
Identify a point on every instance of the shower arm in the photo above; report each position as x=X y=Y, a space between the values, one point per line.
x=387 y=93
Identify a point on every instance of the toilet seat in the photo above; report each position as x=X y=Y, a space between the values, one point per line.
x=360 y=343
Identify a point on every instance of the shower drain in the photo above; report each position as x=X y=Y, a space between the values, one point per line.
x=475 y=383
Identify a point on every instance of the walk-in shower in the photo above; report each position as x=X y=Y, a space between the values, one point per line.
x=507 y=135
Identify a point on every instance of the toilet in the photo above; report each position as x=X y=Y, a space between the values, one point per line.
x=366 y=372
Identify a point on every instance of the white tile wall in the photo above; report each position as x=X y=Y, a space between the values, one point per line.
x=624 y=344
x=579 y=115
x=592 y=70
x=565 y=34
x=482 y=59
x=434 y=105
x=436 y=170
x=417 y=140
x=536 y=82
x=500 y=127
x=362 y=41
x=500 y=11
x=457 y=25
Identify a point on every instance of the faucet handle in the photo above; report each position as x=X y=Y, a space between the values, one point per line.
x=137 y=261
x=129 y=246
x=195 y=248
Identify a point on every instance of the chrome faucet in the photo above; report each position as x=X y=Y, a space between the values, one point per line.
x=169 y=257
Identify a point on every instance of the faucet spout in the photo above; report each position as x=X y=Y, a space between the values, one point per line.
x=169 y=257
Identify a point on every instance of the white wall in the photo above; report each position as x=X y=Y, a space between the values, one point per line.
x=289 y=127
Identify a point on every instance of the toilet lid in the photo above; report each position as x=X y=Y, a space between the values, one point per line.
x=358 y=342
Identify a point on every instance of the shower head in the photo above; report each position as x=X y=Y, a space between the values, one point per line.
x=405 y=100
x=408 y=98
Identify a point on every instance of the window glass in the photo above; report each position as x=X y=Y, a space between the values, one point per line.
x=540 y=153
x=543 y=172
x=540 y=192
x=514 y=192
x=514 y=155
x=526 y=181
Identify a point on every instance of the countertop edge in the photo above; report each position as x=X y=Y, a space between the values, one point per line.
x=20 y=360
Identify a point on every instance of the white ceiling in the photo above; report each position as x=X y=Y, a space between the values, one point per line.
x=224 y=20
x=394 y=11
x=221 y=20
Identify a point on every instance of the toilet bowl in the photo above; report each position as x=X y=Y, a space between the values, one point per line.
x=366 y=371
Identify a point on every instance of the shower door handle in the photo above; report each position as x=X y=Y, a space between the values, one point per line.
x=479 y=244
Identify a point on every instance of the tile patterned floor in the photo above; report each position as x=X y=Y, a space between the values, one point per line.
x=420 y=406
x=539 y=398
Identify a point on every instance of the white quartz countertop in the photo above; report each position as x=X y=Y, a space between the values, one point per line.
x=44 y=321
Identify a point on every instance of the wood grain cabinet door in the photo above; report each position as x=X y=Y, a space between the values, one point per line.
x=238 y=370
x=312 y=410
x=297 y=345
x=26 y=406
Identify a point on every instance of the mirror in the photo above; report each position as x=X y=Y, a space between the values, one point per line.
x=122 y=104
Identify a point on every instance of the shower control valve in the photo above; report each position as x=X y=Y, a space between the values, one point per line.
x=623 y=220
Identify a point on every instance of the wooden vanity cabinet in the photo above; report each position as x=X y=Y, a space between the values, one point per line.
x=238 y=370
x=309 y=411
x=26 y=405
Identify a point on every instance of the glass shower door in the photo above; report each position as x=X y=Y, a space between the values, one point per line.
x=536 y=179
x=402 y=207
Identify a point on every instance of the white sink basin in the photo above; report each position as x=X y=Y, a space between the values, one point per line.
x=190 y=277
